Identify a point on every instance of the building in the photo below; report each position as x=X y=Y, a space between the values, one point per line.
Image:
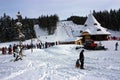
x=93 y=30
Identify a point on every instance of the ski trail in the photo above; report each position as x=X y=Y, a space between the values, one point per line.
x=15 y=74
x=46 y=73
x=39 y=32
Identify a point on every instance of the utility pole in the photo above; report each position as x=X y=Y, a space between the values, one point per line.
x=20 y=34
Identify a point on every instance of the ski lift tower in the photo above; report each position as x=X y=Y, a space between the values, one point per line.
x=20 y=34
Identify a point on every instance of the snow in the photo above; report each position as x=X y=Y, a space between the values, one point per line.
x=58 y=62
x=115 y=33
x=40 y=32
x=62 y=33
x=91 y=20
x=68 y=28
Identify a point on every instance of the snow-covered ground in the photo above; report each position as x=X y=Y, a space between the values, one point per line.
x=115 y=33
x=58 y=63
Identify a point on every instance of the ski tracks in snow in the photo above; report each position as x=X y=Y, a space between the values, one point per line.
x=14 y=74
x=58 y=63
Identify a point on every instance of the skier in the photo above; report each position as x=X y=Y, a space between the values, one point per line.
x=81 y=58
x=10 y=50
x=14 y=49
x=116 y=45
x=17 y=50
x=3 y=50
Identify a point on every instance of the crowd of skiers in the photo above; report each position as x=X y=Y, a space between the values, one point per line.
x=12 y=48
x=6 y=50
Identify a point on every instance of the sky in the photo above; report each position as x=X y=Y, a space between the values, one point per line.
x=63 y=8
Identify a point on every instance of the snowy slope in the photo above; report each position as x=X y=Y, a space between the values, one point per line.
x=115 y=33
x=62 y=33
x=39 y=32
x=64 y=27
x=68 y=28
x=58 y=63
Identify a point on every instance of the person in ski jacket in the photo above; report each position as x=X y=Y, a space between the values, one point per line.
x=81 y=58
x=10 y=50
x=17 y=50
x=3 y=50
x=116 y=45
x=14 y=47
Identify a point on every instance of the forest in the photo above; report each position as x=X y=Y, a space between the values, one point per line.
x=8 y=29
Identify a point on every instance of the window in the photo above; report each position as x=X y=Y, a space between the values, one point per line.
x=85 y=24
x=95 y=23
x=98 y=29
x=81 y=31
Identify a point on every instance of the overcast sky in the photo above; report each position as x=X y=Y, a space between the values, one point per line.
x=63 y=8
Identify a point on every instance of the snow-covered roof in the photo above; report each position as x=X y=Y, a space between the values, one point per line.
x=93 y=26
x=91 y=21
x=87 y=30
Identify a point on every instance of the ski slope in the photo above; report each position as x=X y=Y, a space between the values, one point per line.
x=58 y=62
x=39 y=32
